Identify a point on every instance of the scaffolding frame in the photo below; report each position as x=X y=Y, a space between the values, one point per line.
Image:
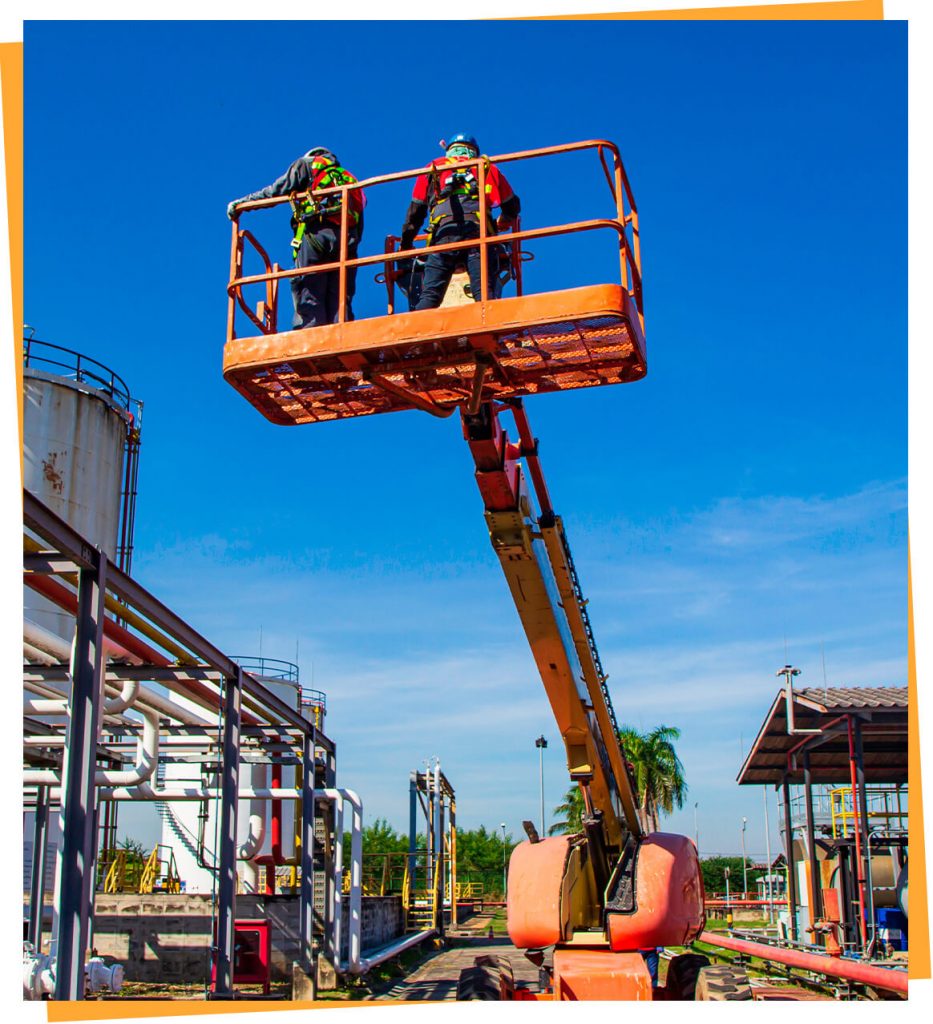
x=56 y=555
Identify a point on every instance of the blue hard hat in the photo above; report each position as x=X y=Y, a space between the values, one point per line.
x=463 y=140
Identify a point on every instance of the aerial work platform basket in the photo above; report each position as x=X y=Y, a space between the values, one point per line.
x=438 y=360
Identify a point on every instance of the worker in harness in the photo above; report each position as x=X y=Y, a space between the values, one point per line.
x=448 y=193
x=316 y=225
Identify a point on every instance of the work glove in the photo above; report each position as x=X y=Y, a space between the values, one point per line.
x=506 y=223
x=408 y=239
x=231 y=208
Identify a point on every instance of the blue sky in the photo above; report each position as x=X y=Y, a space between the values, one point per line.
x=751 y=491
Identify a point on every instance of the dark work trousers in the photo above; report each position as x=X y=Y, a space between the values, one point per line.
x=439 y=267
x=317 y=296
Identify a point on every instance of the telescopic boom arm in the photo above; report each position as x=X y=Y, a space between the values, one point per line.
x=535 y=557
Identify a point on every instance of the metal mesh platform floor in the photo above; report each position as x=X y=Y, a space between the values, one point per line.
x=435 y=359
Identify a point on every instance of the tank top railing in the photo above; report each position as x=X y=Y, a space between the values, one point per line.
x=66 y=362
x=625 y=224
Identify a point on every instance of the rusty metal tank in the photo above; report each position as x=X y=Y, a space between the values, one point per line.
x=77 y=418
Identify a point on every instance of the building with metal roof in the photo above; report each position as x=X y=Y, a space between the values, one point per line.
x=838 y=757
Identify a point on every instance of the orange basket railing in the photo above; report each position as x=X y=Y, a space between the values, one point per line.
x=625 y=224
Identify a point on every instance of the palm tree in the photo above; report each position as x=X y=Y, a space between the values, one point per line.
x=658 y=772
x=571 y=810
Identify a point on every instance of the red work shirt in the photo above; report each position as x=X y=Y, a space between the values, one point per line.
x=498 y=190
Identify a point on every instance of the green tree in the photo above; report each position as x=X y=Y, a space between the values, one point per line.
x=480 y=856
x=570 y=813
x=658 y=772
x=381 y=837
x=136 y=853
x=714 y=875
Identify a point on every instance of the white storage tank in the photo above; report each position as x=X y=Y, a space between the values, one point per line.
x=190 y=828
x=77 y=419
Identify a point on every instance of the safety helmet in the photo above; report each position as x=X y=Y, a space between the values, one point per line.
x=321 y=151
x=461 y=139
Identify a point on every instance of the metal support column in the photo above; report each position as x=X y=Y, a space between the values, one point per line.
x=864 y=830
x=40 y=834
x=453 y=863
x=441 y=861
x=77 y=852
x=226 y=882
x=306 y=895
x=816 y=884
x=789 y=856
x=412 y=826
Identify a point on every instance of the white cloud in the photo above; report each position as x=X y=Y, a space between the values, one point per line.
x=691 y=615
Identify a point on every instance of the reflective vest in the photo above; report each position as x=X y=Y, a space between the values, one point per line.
x=453 y=195
x=308 y=209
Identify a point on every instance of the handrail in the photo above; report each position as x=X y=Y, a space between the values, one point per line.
x=626 y=217
x=80 y=368
x=471 y=243
x=267 y=323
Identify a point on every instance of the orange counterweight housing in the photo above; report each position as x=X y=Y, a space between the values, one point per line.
x=536 y=874
x=668 y=897
x=597 y=974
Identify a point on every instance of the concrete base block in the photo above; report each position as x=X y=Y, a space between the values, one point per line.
x=326 y=975
x=303 y=987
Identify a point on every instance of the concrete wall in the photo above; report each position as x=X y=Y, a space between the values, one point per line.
x=167 y=938
x=382 y=921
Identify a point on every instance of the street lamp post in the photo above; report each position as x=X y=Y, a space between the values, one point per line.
x=541 y=744
x=744 y=861
x=502 y=826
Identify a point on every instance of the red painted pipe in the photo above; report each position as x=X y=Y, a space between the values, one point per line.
x=68 y=601
x=277 y=816
x=832 y=966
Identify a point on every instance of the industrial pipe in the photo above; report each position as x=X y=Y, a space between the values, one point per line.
x=889 y=979
x=68 y=601
x=256 y=833
x=53 y=645
x=343 y=797
x=384 y=953
x=147 y=757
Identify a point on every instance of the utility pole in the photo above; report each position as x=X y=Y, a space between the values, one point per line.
x=744 y=860
x=502 y=826
x=696 y=828
x=541 y=744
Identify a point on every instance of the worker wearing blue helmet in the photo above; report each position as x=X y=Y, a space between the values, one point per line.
x=448 y=195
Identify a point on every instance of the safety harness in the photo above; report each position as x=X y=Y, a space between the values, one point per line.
x=310 y=211
x=460 y=189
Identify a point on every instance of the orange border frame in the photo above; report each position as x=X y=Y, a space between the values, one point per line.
x=11 y=74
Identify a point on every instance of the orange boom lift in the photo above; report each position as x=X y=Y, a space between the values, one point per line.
x=604 y=895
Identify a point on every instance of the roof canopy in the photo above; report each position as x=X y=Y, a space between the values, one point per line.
x=882 y=711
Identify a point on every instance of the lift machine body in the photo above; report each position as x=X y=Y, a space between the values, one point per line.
x=606 y=895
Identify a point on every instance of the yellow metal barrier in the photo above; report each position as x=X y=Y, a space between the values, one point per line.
x=160 y=873
x=877 y=799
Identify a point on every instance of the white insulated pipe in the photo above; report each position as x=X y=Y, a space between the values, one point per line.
x=249 y=849
x=367 y=963
x=147 y=757
x=341 y=798
x=48 y=644
x=33 y=654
